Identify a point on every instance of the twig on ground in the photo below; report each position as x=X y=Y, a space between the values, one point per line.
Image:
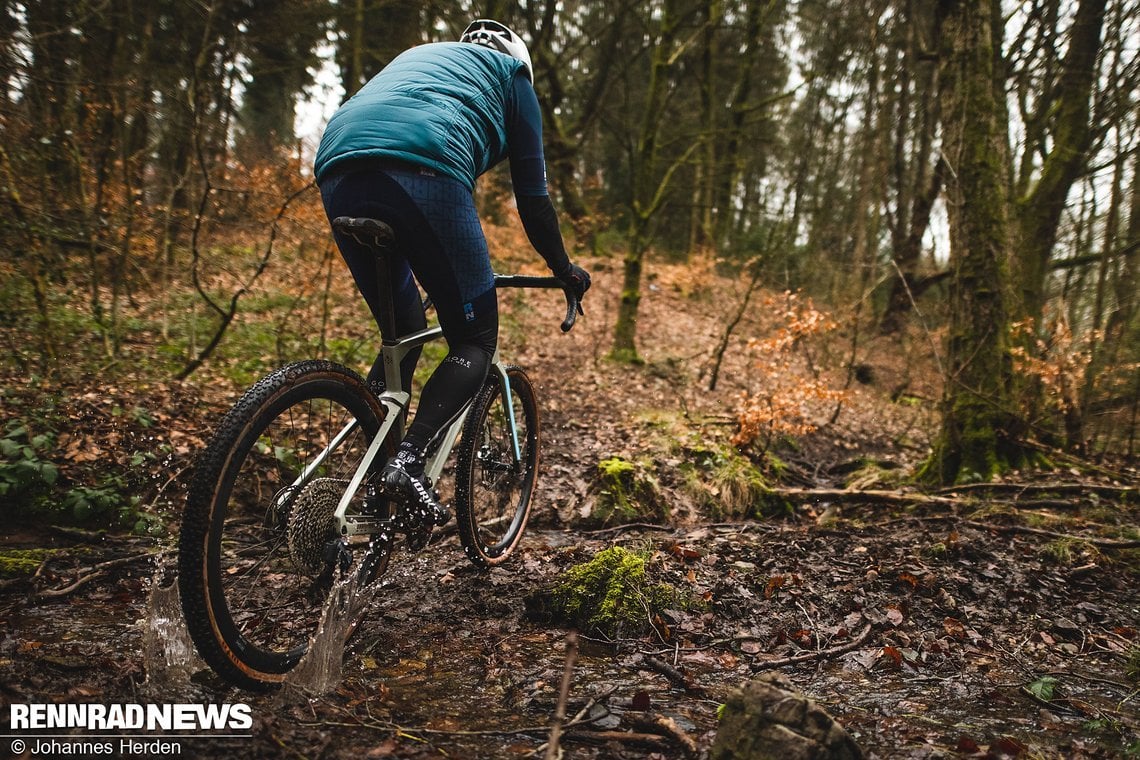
x=579 y=718
x=808 y=657
x=674 y=674
x=553 y=750
x=666 y=727
x=1099 y=489
x=627 y=527
x=96 y=571
x=55 y=593
x=845 y=496
x=650 y=741
x=1100 y=543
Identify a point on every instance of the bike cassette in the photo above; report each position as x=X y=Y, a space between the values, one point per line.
x=310 y=524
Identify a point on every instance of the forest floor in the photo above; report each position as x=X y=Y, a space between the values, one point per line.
x=986 y=621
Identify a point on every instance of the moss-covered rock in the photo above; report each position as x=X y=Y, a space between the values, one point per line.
x=725 y=484
x=767 y=719
x=610 y=594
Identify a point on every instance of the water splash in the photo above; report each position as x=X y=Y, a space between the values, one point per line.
x=169 y=656
x=320 y=669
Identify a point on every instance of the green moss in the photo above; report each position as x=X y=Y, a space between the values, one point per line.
x=610 y=594
x=626 y=356
x=1068 y=551
x=724 y=482
x=627 y=492
x=1132 y=664
x=616 y=467
x=15 y=563
x=774 y=465
x=872 y=474
x=1059 y=551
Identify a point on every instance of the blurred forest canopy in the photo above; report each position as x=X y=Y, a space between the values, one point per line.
x=964 y=168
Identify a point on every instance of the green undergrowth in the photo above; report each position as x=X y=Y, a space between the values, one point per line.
x=726 y=485
x=611 y=594
x=721 y=481
x=688 y=470
x=36 y=489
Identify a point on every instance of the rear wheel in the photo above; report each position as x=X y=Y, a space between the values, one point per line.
x=258 y=550
x=493 y=486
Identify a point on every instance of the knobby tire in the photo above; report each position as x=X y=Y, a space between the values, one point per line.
x=493 y=493
x=252 y=578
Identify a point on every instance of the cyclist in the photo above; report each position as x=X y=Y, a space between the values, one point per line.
x=407 y=149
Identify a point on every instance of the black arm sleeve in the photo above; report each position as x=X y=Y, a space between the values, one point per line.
x=528 y=176
x=541 y=224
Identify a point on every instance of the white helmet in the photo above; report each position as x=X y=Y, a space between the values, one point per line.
x=497 y=36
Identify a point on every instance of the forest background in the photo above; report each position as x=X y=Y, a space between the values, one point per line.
x=967 y=166
x=860 y=253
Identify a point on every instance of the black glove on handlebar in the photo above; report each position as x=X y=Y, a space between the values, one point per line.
x=577 y=279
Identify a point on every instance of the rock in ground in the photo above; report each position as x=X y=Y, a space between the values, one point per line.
x=768 y=719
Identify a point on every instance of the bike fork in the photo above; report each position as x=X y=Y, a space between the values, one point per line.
x=508 y=402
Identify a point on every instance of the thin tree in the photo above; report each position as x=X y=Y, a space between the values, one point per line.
x=1065 y=134
x=650 y=174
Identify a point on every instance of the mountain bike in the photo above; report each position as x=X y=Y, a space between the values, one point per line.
x=286 y=499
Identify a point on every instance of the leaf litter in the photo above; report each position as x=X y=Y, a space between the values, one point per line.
x=974 y=623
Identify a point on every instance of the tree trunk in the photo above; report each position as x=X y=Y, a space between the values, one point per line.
x=647 y=186
x=701 y=220
x=917 y=170
x=973 y=444
x=1128 y=280
x=1038 y=213
x=625 y=330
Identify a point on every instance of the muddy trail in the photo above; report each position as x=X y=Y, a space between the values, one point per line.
x=996 y=621
x=922 y=635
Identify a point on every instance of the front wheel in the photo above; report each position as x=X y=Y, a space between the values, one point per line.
x=495 y=479
x=258 y=550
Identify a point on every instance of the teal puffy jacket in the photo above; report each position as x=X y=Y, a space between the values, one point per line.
x=442 y=106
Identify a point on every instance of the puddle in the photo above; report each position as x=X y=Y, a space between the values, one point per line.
x=170 y=659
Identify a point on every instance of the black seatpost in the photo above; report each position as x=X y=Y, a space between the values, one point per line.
x=380 y=238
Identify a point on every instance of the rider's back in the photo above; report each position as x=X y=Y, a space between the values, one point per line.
x=442 y=106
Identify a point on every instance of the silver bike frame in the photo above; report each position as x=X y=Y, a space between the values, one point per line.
x=396 y=402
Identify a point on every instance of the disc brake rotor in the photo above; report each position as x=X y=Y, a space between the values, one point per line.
x=311 y=523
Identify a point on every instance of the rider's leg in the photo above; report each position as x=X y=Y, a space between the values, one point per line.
x=365 y=192
x=451 y=386
x=471 y=346
x=454 y=267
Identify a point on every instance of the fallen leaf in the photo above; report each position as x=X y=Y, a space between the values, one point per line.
x=641 y=700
